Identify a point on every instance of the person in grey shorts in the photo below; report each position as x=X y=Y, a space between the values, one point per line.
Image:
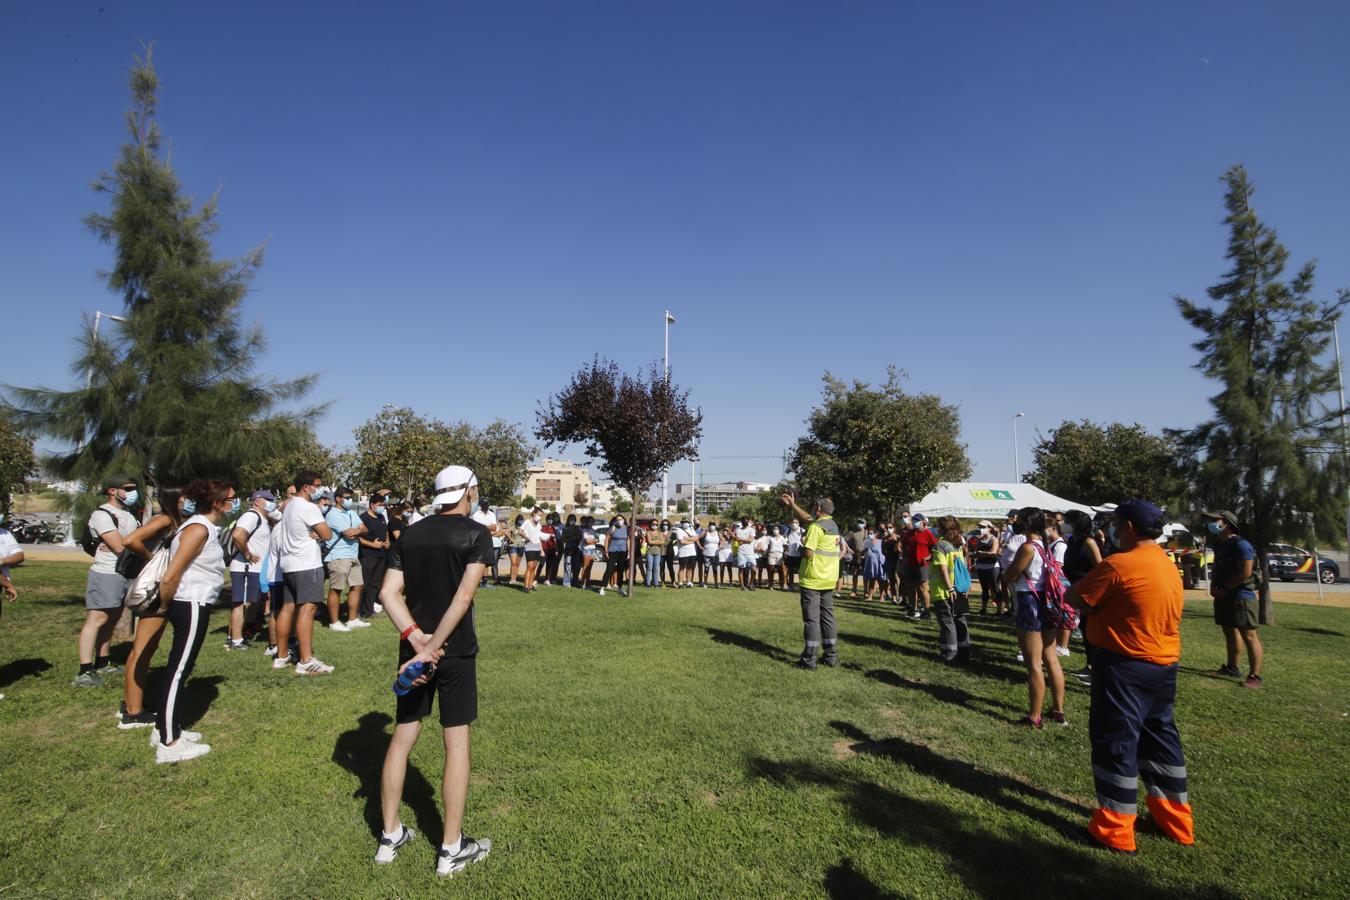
x=105 y=590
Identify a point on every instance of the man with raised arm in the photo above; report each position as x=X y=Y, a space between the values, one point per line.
x=818 y=576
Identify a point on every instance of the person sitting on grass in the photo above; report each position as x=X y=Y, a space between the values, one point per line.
x=1135 y=629
x=428 y=593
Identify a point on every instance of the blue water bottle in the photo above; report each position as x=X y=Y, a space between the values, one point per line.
x=403 y=685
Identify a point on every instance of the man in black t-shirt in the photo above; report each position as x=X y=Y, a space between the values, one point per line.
x=373 y=554
x=438 y=563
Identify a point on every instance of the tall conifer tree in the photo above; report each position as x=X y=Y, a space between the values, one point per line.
x=1266 y=453
x=171 y=394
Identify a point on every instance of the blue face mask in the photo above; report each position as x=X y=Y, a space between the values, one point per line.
x=347 y=503
x=234 y=505
x=131 y=498
x=188 y=507
x=1214 y=527
x=270 y=506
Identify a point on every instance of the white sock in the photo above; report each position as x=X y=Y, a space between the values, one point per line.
x=395 y=834
x=456 y=846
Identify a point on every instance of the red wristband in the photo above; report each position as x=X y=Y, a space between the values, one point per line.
x=407 y=631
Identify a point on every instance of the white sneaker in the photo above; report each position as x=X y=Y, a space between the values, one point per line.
x=271 y=651
x=1063 y=651
x=182 y=749
x=470 y=850
x=337 y=626
x=357 y=623
x=602 y=593
x=184 y=735
x=315 y=666
x=379 y=608
x=1020 y=658
x=389 y=849
x=282 y=662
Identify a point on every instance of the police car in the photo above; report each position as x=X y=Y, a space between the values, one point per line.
x=1290 y=563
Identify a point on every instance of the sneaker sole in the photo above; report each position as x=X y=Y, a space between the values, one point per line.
x=460 y=867
x=129 y=726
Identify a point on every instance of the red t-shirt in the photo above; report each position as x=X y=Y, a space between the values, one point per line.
x=919 y=544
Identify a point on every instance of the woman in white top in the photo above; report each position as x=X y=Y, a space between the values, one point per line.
x=711 y=541
x=533 y=531
x=1036 y=627
x=190 y=586
x=686 y=551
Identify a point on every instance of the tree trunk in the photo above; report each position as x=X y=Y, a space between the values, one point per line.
x=1265 y=610
x=632 y=539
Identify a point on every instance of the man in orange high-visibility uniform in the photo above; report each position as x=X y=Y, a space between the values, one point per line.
x=1136 y=601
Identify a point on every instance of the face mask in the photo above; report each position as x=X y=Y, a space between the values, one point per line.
x=270 y=506
x=274 y=515
x=536 y=520
x=188 y=507
x=665 y=527
x=131 y=498
x=347 y=503
x=1214 y=527
x=234 y=505
x=1111 y=532
x=620 y=522
x=1068 y=529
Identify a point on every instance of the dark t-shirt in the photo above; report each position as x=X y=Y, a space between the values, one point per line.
x=376 y=530
x=1229 y=556
x=433 y=555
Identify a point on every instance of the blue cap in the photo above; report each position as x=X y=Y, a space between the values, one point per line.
x=1141 y=513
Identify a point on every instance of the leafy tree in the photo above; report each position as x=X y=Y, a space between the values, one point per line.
x=528 y=502
x=1096 y=464
x=623 y=505
x=682 y=506
x=873 y=450
x=404 y=450
x=279 y=470
x=1265 y=339
x=16 y=460
x=636 y=425
x=170 y=394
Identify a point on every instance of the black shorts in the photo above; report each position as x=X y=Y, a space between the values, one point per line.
x=533 y=555
x=303 y=587
x=455 y=683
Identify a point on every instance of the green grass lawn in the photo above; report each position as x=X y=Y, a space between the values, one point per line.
x=660 y=746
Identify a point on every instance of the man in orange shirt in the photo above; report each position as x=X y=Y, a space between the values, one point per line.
x=1136 y=601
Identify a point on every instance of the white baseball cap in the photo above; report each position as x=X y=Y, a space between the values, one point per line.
x=451 y=484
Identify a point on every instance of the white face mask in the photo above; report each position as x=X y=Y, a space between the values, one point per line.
x=536 y=520
x=1068 y=529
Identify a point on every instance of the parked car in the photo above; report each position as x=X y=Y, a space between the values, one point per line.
x=1290 y=563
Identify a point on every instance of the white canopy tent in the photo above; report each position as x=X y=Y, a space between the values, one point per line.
x=989 y=500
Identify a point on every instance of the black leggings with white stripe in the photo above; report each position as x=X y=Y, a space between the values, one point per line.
x=189 y=630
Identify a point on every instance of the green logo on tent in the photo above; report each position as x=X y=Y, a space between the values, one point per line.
x=1002 y=495
x=985 y=494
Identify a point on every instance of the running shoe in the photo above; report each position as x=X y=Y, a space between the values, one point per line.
x=183 y=735
x=1021 y=658
x=357 y=623
x=315 y=666
x=471 y=850
x=1028 y=722
x=1057 y=717
x=87 y=679
x=602 y=592
x=388 y=849
x=181 y=750
x=127 y=721
x=282 y=662
x=1253 y=681
x=1228 y=672
x=238 y=645
x=337 y=626
x=1062 y=651
x=110 y=669
x=271 y=651
x=379 y=608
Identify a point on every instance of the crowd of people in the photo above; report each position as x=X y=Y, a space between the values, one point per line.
x=308 y=556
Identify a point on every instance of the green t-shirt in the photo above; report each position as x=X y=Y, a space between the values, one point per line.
x=820 y=571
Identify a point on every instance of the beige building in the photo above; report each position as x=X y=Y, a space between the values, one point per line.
x=558 y=482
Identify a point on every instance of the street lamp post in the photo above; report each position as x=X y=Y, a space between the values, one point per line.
x=99 y=316
x=665 y=476
x=1017 y=462
x=1340 y=385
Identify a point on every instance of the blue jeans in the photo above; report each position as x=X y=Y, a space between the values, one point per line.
x=653 y=569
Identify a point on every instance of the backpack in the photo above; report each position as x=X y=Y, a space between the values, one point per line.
x=144 y=591
x=960 y=573
x=226 y=536
x=1052 y=598
x=89 y=542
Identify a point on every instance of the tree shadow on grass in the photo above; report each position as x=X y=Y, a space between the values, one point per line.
x=877 y=609
x=198 y=696
x=361 y=752
x=943 y=692
x=1322 y=631
x=755 y=645
x=986 y=862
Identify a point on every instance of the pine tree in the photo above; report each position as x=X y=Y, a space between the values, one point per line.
x=1267 y=452
x=171 y=393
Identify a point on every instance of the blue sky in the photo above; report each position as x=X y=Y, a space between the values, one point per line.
x=1000 y=199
